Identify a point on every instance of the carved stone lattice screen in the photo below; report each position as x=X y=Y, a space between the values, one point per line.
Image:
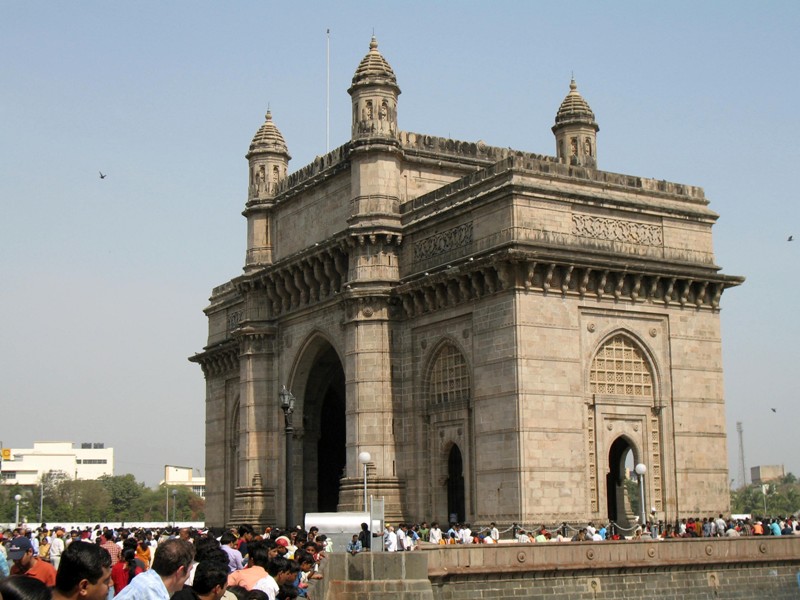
x=449 y=377
x=620 y=369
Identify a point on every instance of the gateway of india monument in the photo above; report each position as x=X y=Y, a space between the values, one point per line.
x=505 y=333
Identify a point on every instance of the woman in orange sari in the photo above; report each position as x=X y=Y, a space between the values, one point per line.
x=143 y=553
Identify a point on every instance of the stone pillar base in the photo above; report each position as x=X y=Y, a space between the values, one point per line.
x=253 y=505
x=391 y=489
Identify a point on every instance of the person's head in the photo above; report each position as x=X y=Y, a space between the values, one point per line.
x=227 y=539
x=184 y=533
x=108 y=535
x=22 y=587
x=210 y=579
x=21 y=552
x=259 y=553
x=255 y=595
x=282 y=570
x=172 y=562
x=355 y=537
x=304 y=560
x=287 y=592
x=84 y=572
x=209 y=549
x=242 y=593
x=364 y=527
x=246 y=532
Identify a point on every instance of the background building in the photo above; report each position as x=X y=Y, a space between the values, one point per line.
x=184 y=477
x=502 y=331
x=88 y=460
x=765 y=473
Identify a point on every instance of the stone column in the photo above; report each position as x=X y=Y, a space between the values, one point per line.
x=370 y=407
x=254 y=502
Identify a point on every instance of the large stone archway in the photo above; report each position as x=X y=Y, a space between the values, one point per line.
x=321 y=450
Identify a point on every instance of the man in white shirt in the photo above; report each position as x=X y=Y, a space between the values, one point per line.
x=494 y=533
x=465 y=534
x=390 y=539
x=402 y=538
x=57 y=547
x=435 y=533
x=279 y=572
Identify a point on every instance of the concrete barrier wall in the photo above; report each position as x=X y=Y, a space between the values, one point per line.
x=679 y=569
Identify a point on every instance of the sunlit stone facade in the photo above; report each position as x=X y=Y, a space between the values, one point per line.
x=498 y=329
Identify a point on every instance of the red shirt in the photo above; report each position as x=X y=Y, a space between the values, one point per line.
x=41 y=570
x=120 y=575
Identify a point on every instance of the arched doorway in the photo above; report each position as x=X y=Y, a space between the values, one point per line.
x=324 y=428
x=455 y=485
x=620 y=487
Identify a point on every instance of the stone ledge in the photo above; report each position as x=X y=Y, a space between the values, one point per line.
x=593 y=556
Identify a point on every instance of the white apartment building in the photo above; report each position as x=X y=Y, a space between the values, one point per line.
x=25 y=466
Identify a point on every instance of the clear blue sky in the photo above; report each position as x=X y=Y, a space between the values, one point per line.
x=103 y=282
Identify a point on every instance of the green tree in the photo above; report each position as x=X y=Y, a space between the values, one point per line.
x=123 y=491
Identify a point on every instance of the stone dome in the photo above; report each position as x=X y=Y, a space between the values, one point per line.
x=373 y=68
x=268 y=138
x=574 y=109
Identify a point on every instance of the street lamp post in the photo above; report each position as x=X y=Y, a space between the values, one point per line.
x=641 y=469
x=364 y=458
x=174 y=502
x=17 y=498
x=287 y=404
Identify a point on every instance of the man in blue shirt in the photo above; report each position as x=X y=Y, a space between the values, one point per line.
x=170 y=570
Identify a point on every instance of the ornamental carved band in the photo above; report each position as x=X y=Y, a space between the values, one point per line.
x=457 y=237
x=616 y=230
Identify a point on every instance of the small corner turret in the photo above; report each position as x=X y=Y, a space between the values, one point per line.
x=576 y=131
x=374 y=93
x=268 y=161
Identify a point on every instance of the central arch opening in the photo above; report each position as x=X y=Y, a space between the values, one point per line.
x=455 y=485
x=324 y=429
x=331 y=457
x=621 y=490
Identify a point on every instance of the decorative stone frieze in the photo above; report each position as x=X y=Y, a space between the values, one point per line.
x=618 y=230
x=439 y=243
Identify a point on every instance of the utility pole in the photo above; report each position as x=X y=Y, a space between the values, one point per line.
x=742 y=471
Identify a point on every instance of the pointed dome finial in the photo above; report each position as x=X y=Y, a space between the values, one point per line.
x=572 y=85
x=268 y=138
x=374 y=69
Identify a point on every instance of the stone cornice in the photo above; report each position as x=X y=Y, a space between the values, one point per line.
x=509 y=270
x=220 y=359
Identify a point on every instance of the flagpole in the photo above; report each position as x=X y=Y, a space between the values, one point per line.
x=328 y=92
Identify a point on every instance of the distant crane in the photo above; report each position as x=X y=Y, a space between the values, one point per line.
x=742 y=472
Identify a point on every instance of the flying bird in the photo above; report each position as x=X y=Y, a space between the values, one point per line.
x=102 y=175
x=773 y=410
x=791 y=238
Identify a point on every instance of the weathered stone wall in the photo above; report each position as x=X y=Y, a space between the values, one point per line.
x=680 y=569
x=700 y=568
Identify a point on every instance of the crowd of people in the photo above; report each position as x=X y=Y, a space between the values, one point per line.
x=102 y=563
x=146 y=564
